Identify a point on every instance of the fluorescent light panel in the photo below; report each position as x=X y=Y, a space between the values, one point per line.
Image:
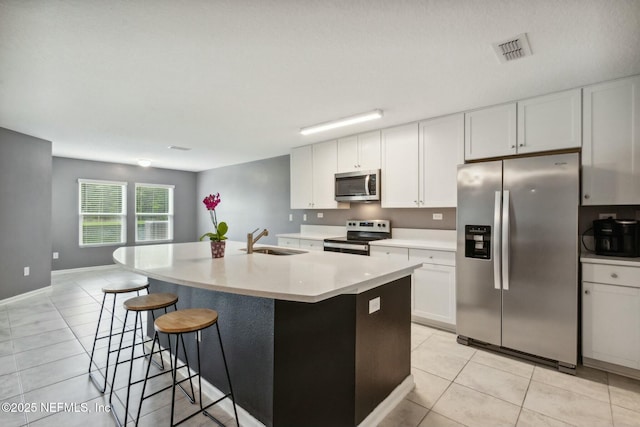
x=346 y=121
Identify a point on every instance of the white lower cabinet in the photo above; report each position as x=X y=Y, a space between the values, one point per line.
x=434 y=288
x=611 y=315
x=289 y=242
x=306 y=244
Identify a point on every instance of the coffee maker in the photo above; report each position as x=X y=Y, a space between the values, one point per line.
x=617 y=237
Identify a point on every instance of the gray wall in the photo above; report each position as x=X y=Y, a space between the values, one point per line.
x=257 y=194
x=66 y=173
x=25 y=213
x=252 y=195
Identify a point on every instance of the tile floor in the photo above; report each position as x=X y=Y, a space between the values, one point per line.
x=45 y=341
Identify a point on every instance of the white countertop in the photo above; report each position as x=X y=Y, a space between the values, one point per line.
x=436 y=245
x=309 y=277
x=437 y=240
x=592 y=258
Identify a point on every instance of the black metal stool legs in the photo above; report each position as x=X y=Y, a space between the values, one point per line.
x=103 y=387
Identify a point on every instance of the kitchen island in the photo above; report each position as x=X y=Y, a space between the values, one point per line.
x=312 y=339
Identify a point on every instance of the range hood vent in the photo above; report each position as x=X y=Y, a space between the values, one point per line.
x=513 y=48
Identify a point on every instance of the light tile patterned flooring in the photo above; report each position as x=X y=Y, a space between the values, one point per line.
x=45 y=341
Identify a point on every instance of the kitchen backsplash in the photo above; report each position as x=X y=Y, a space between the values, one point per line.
x=405 y=218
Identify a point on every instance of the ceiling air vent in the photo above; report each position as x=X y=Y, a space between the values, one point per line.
x=175 y=147
x=512 y=48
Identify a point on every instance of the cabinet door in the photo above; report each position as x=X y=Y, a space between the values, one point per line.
x=611 y=324
x=490 y=132
x=288 y=242
x=325 y=166
x=611 y=147
x=441 y=151
x=550 y=122
x=389 y=252
x=348 y=154
x=400 y=167
x=369 y=150
x=301 y=177
x=434 y=293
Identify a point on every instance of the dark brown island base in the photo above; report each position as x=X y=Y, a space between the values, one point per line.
x=328 y=363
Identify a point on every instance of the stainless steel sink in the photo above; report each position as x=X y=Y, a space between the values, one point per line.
x=267 y=250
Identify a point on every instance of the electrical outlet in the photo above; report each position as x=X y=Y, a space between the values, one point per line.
x=437 y=216
x=56 y=255
x=26 y=271
x=320 y=215
x=606 y=216
x=304 y=217
x=290 y=217
x=374 y=305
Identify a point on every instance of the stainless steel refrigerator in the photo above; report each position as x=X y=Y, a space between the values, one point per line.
x=517 y=256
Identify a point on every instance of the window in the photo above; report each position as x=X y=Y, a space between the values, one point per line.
x=154 y=212
x=103 y=212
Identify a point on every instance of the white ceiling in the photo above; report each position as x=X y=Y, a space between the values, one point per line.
x=235 y=79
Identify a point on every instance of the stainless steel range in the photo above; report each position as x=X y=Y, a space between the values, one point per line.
x=359 y=234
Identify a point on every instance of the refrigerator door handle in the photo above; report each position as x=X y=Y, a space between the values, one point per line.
x=505 y=240
x=496 y=239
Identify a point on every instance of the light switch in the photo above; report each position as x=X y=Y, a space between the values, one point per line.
x=437 y=216
x=374 y=305
x=26 y=271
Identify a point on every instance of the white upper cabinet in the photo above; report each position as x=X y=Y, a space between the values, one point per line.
x=400 y=167
x=301 y=177
x=313 y=169
x=611 y=148
x=441 y=151
x=490 y=132
x=325 y=166
x=359 y=152
x=545 y=123
x=550 y=122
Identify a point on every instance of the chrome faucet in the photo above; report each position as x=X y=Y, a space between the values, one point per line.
x=252 y=240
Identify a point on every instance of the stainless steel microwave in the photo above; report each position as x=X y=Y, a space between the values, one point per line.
x=358 y=186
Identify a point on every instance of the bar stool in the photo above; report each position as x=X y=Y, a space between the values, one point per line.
x=138 y=305
x=112 y=289
x=178 y=323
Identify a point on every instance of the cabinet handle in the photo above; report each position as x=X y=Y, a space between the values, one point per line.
x=521 y=145
x=355 y=166
x=586 y=196
x=587 y=292
x=614 y=275
x=513 y=146
x=415 y=201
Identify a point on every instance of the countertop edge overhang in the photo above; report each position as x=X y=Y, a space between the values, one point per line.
x=289 y=278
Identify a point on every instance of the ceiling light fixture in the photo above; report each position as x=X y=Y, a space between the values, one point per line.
x=177 y=147
x=346 y=121
x=145 y=163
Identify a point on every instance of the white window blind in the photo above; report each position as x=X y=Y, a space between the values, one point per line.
x=154 y=212
x=103 y=212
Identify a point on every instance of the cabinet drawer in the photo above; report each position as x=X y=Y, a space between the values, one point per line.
x=288 y=242
x=314 y=245
x=432 y=257
x=611 y=274
x=389 y=252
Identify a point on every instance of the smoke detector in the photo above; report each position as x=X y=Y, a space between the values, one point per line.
x=513 y=48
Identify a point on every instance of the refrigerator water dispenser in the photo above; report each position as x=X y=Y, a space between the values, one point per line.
x=477 y=241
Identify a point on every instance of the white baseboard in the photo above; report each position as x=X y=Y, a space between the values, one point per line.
x=387 y=405
x=84 y=269
x=25 y=295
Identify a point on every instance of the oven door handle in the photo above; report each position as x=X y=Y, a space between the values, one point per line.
x=352 y=246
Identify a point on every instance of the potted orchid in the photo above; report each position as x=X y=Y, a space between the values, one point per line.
x=218 y=237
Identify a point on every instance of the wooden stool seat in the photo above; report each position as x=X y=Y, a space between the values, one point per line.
x=150 y=302
x=129 y=286
x=188 y=320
